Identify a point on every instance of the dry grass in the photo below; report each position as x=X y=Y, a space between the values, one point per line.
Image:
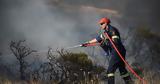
x=150 y=78
x=6 y=81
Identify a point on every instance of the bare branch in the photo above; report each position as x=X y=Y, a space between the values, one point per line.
x=21 y=51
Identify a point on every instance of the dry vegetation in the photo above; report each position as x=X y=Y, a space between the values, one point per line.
x=63 y=67
x=150 y=78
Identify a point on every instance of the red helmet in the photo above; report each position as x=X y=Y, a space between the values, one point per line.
x=104 y=20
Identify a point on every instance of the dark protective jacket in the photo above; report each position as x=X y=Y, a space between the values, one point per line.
x=106 y=44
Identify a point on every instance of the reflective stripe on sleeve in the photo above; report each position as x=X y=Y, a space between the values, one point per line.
x=101 y=36
x=113 y=37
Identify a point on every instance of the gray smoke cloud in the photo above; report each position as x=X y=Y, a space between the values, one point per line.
x=63 y=23
x=142 y=12
x=53 y=23
x=43 y=23
x=34 y=22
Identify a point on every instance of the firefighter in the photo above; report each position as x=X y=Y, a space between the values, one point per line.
x=115 y=61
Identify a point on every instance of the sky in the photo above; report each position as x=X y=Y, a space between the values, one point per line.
x=64 y=23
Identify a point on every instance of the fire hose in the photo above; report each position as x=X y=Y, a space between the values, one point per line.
x=119 y=54
x=128 y=66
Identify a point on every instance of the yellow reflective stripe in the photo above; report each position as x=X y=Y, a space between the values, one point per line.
x=113 y=37
x=110 y=74
x=125 y=75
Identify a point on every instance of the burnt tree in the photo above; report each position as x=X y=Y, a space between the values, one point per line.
x=20 y=50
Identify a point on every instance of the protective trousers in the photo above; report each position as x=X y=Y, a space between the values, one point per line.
x=113 y=65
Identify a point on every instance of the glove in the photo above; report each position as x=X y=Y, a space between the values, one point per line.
x=85 y=44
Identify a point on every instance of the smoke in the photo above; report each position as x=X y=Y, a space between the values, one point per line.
x=143 y=13
x=63 y=23
x=42 y=23
x=34 y=22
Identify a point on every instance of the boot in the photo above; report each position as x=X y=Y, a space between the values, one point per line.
x=128 y=80
x=111 y=80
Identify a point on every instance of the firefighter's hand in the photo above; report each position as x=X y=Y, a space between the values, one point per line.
x=85 y=44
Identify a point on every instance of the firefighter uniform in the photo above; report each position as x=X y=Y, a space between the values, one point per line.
x=115 y=61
